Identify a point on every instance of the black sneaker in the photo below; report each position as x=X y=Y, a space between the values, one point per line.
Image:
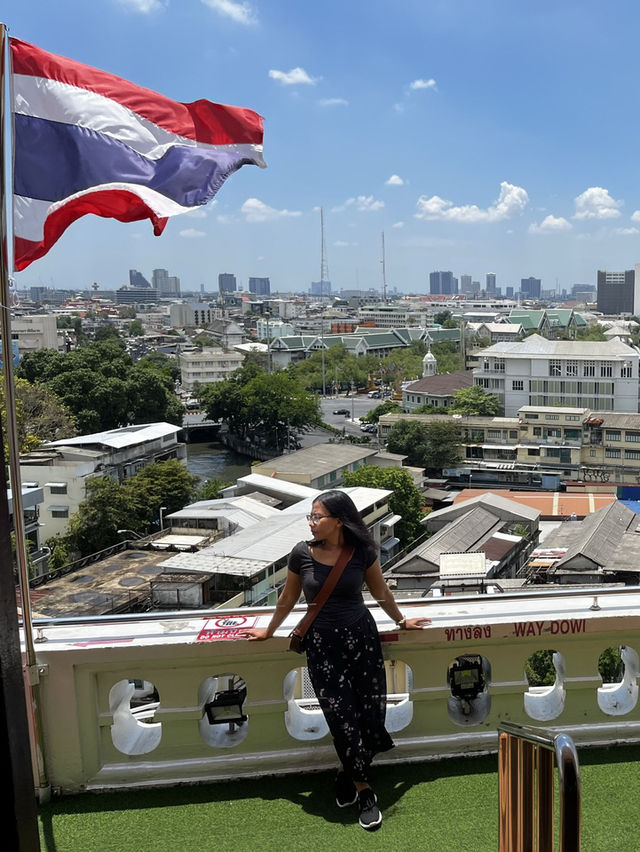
x=370 y=816
x=346 y=793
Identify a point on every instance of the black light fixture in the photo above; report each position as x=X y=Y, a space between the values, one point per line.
x=465 y=677
x=225 y=708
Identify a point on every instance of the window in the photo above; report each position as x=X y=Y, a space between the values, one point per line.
x=555 y=367
x=517 y=385
x=498 y=365
x=574 y=418
x=612 y=454
x=59 y=511
x=494 y=434
x=632 y=454
x=606 y=369
x=531 y=416
x=589 y=368
x=633 y=437
x=612 y=435
x=626 y=371
x=553 y=417
x=572 y=368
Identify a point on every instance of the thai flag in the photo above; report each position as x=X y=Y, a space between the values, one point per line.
x=89 y=142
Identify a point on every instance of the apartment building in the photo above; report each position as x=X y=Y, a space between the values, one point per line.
x=207 y=366
x=61 y=469
x=601 y=376
x=542 y=443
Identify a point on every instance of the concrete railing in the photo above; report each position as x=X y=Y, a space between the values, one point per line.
x=99 y=732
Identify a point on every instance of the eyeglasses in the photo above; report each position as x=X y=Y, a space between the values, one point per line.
x=315 y=518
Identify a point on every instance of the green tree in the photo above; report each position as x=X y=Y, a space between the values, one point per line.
x=269 y=408
x=211 y=489
x=433 y=446
x=43 y=416
x=475 y=401
x=166 y=483
x=135 y=328
x=387 y=407
x=405 y=501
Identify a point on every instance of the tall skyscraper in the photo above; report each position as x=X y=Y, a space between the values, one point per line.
x=442 y=283
x=530 y=288
x=619 y=292
x=227 y=282
x=490 y=285
x=137 y=279
x=466 y=284
x=166 y=285
x=260 y=286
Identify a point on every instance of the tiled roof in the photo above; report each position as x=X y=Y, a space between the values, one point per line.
x=442 y=384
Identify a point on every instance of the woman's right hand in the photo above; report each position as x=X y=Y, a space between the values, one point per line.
x=254 y=634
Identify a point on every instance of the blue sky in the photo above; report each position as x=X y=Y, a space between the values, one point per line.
x=476 y=135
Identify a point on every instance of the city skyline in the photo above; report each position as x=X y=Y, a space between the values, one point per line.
x=477 y=139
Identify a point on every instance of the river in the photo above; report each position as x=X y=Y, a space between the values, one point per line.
x=211 y=459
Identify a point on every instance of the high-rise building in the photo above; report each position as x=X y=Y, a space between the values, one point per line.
x=137 y=279
x=466 y=284
x=227 y=282
x=260 y=286
x=509 y=292
x=166 y=285
x=619 y=292
x=530 y=288
x=442 y=283
x=490 y=284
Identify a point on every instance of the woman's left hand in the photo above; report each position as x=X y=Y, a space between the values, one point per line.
x=416 y=623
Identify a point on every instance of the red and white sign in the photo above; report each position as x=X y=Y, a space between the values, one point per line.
x=226 y=627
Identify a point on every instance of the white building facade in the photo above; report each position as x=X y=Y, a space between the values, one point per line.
x=61 y=469
x=601 y=376
x=208 y=366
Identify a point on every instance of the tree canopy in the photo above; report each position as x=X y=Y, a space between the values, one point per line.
x=102 y=387
x=131 y=505
x=262 y=408
x=433 y=446
x=475 y=401
x=405 y=501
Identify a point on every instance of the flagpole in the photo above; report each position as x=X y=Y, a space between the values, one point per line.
x=6 y=248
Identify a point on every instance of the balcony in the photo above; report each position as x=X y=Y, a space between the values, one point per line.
x=100 y=735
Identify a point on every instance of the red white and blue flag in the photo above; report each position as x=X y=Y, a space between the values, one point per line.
x=87 y=141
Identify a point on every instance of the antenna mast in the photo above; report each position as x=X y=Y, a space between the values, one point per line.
x=324 y=276
x=384 y=274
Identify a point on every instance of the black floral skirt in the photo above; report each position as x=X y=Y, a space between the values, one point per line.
x=346 y=668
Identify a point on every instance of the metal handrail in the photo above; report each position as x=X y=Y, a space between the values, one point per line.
x=526 y=789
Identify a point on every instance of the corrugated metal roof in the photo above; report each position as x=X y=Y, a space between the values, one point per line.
x=127 y=436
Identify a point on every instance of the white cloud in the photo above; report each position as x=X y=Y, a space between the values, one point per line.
x=241 y=13
x=416 y=85
x=550 y=224
x=627 y=232
x=394 y=180
x=255 y=210
x=192 y=233
x=329 y=102
x=511 y=201
x=144 y=6
x=363 y=204
x=399 y=108
x=635 y=217
x=295 y=77
x=398 y=225
x=596 y=203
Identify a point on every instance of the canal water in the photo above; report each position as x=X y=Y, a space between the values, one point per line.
x=211 y=459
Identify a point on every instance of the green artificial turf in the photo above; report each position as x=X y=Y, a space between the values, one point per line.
x=440 y=806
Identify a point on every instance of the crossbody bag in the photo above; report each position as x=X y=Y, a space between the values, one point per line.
x=299 y=632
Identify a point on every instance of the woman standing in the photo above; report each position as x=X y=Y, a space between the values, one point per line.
x=344 y=654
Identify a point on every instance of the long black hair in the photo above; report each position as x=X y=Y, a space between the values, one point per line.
x=339 y=505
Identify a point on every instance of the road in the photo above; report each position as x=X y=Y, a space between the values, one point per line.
x=357 y=406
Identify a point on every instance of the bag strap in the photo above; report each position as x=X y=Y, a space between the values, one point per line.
x=327 y=587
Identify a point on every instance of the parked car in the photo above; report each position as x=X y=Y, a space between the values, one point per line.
x=344 y=411
x=368 y=427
